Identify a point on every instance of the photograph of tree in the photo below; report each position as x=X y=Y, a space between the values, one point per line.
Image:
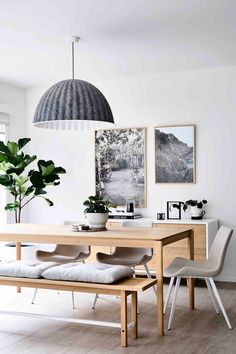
x=120 y=165
x=175 y=154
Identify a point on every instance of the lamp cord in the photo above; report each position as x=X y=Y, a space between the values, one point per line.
x=73 y=60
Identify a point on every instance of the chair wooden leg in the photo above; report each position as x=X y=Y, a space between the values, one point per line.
x=214 y=288
x=134 y=315
x=173 y=303
x=123 y=319
x=212 y=295
x=170 y=287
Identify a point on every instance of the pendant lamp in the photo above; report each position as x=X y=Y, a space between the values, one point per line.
x=73 y=104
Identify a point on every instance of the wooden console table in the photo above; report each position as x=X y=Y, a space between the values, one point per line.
x=120 y=237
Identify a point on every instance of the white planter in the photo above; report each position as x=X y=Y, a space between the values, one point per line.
x=97 y=220
x=196 y=212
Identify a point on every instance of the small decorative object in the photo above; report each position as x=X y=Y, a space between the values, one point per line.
x=160 y=216
x=25 y=186
x=73 y=104
x=173 y=212
x=130 y=207
x=79 y=227
x=175 y=154
x=120 y=165
x=96 y=211
x=196 y=208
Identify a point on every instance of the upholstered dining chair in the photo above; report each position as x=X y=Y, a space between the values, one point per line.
x=64 y=254
x=129 y=256
x=207 y=270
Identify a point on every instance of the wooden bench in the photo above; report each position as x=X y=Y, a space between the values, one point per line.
x=122 y=288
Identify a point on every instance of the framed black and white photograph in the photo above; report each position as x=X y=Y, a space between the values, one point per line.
x=120 y=163
x=173 y=210
x=175 y=154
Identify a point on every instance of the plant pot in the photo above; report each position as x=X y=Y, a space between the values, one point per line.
x=97 y=220
x=197 y=212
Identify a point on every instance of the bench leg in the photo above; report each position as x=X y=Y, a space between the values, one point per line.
x=123 y=318
x=134 y=315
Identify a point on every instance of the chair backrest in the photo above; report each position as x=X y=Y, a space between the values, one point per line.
x=71 y=250
x=219 y=247
x=137 y=224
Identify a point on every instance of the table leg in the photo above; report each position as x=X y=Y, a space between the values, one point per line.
x=159 y=274
x=134 y=314
x=191 y=280
x=18 y=258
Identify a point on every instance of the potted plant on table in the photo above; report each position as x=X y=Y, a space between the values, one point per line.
x=96 y=211
x=196 y=208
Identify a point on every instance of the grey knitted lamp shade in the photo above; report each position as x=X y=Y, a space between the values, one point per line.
x=73 y=104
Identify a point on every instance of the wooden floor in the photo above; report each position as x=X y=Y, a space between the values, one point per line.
x=198 y=331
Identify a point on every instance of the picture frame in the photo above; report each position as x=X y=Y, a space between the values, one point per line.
x=173 y=213
x=120 y=165
x=175 y=154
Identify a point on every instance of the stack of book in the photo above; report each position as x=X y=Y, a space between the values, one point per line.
x=124 y=215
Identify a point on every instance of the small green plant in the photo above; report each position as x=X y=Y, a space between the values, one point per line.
x=96 y=204
x=25 y=186
x=190 y=203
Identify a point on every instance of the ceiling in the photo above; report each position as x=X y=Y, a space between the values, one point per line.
x=119 y=37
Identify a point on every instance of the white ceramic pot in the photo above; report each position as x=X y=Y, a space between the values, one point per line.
x=97 y=220
x=196 y=212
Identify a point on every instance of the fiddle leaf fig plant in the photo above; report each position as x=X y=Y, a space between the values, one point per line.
x=25 y=184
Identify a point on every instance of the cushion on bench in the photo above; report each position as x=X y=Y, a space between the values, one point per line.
x=90 y=272
x=24 y=269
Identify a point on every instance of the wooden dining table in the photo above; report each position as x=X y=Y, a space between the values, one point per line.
x=120 y=237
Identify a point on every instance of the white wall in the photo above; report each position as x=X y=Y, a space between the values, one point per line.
x=205 y=98
x=13 y=102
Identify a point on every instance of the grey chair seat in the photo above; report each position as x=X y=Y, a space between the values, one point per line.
x=128 y=256
x=185 y=268
x=132 y=259
x=44 y=256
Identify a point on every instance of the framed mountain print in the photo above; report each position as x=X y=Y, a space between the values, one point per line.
x=175 y=154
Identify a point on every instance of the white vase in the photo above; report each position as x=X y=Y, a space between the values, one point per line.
x=197 y=212
x=97 y=220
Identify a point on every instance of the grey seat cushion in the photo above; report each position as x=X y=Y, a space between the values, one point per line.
x=91 y=273
x=24 y=269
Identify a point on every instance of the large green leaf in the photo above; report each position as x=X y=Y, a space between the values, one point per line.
x=12 y=206
x=39 y=191
x=36 y=179
x=5 y=180
x=51 y=178
x=12 y=147
x=4 y=166
x=50 y=203
x=29 y=190
x=59 y=170
x=15 y=170
x=22 y=142
x=46 y=167
x=3 y=148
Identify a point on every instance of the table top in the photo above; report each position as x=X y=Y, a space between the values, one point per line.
x=41 y=233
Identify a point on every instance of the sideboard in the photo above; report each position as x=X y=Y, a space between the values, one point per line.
x=204 y=233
